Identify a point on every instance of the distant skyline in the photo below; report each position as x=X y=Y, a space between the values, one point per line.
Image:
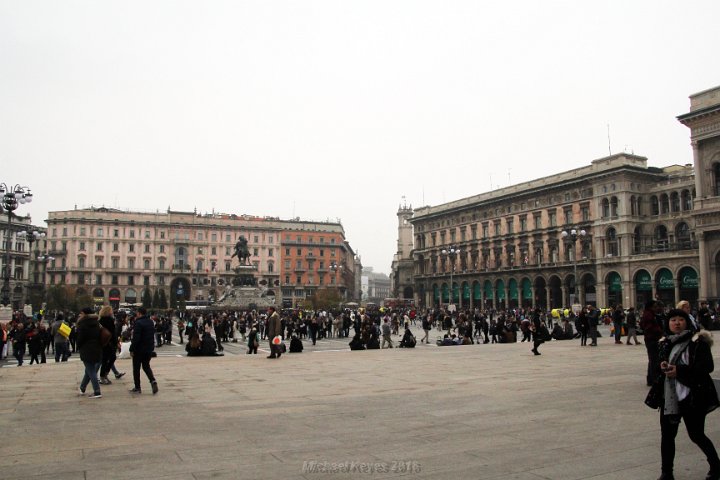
x=329 y=110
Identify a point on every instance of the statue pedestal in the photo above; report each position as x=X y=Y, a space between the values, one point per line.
x=244 y=292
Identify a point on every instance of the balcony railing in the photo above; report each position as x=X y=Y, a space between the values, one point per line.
x=665 y=247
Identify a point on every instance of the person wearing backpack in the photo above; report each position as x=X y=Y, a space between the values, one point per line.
x=88 y=343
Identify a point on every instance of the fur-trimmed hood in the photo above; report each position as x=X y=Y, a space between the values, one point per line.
x=703 y=336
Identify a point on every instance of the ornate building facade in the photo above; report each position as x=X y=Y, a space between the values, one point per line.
x=704 y=123
x=23 y=249
x=629 y=237
x=114 y=255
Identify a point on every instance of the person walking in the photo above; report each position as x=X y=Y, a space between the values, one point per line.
x=90 y=348
x=274 y=329
x=62 y=346
x=539 y=332
x=593 y=322
x=426 y=326
x=688 y=392
x=618 y=318
x=386 y=331
x=109 y=354
x=651 y=323
x=142 y=346
x=583 y=325
x=18 y=340
x=631 y=321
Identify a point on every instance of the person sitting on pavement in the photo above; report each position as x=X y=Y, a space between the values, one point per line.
x=209 y=346
x=408 y=339
x=356 y=343
x=194 y=346
x=296 y=345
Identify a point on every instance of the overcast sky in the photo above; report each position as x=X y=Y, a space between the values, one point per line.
x=336 y=109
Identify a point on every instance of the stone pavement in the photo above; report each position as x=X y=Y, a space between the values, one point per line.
x=481 y=411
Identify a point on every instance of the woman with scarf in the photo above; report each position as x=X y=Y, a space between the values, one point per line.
x=688 y=391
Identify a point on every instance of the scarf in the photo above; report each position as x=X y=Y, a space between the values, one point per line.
x=679 y=344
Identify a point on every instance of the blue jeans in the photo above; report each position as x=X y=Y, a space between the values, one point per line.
x=91 y=371
x=62 y=351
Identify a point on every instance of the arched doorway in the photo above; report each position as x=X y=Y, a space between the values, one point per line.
x=526 y=294
x=488 y=294
x=179 y=290
x=445 y=293
x=436 y=295
x=465 y=294
x=131 y=296
x=688 y=279
x=643 y=287
x=555 y=287
x=590 y=294
x=665 y=286
x=114 y=298
x=541 y=293
x=613 y=285
x=500 y=288
x=513 y=293
x=98 y=296
x=408 y=293
x=477 y=294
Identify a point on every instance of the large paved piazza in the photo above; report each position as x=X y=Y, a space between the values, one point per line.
x=481 y=411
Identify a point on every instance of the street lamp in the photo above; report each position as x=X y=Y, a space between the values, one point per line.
x=334 y=267
x=572 y=237
x=451 y=253
x=44 y=259
x=12 y=197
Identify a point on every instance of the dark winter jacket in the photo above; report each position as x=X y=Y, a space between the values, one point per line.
x=88 y=339
x=696 y=374
x=652 y=327
x=143 y=339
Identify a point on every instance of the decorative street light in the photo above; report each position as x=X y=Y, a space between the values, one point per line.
x=572 y=237
x=12 y=197
x=451 y=253
x=334 y=267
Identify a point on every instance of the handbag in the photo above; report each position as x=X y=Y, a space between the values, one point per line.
x=64 y=329
x=105 y=336
x=655 y=396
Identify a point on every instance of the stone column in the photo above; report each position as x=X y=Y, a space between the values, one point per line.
x=677 y=291
x=581 y=294
x=507 y=296
x=704 y=264
x=532 y=291
x=565 y=300
x=494 y=299
x=547 y=297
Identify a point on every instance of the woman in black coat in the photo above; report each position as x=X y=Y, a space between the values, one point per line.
x=88 y=343
x=688 y=392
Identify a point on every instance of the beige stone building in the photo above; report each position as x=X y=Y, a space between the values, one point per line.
x=704 y=123
x=22 y=249
x=506 y=248
x=114 y=255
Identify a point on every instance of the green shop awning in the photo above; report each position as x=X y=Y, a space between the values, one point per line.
x=477 y=292
x=526 y=289
x=665 y=280
x=688 y=278
x=501 y=290
x=643 y=281
x=488 y=290
x=615 y=282
x=512 y=285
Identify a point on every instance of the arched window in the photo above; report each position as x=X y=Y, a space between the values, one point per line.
x=271 y=267
x=661 y=237
x=674 y=202
x=654 y=205
x=614 y=207
x=682 y=235
x=633 y=205
x=686 y=200
x=605 y=208
x=613 y=247
x=637 y=240
x=664 y=203
x=81 y=262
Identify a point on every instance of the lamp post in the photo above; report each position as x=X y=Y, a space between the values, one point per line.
x=451 y=253
x=44 y=260
x=572 y=237
x=334 y=267
x=12 y=197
